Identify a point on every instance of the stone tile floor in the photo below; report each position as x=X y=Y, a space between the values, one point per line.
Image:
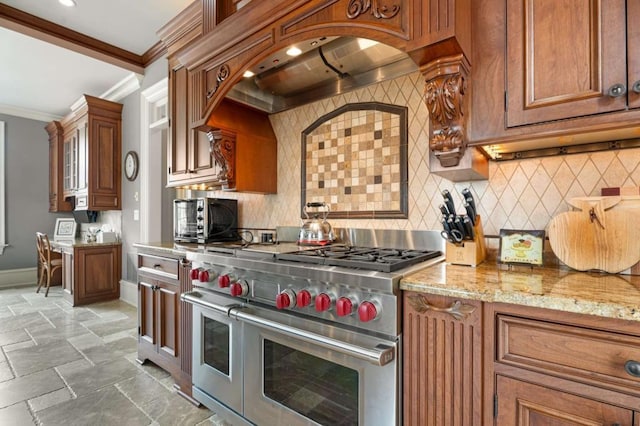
x=61 y=365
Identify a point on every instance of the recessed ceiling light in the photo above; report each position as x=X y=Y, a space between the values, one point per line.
x=248 y=74
x=68 y=3
x=294 y=51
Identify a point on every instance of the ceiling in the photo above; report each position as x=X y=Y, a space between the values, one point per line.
x=43 y=79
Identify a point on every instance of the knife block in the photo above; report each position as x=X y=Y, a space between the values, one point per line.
x=468 y=252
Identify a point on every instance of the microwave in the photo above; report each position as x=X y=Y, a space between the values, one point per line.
x=205 y=220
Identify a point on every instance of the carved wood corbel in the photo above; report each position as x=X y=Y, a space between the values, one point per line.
x=445 y=87
x=223 y=149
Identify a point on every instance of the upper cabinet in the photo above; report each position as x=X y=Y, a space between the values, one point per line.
x=85 y=168
x=554 y=71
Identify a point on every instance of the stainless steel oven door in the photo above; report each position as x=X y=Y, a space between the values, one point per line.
x=217 y=350
x=293 y=378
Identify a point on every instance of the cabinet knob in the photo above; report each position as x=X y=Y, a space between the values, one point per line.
x=632 y=368
x=636 y=87
x=617 y=90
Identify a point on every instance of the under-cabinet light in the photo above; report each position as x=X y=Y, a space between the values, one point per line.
x=294 y=51
x=68 y=3
x=248 y=74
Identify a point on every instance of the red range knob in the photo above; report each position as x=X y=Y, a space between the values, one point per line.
x=203 y=276
x=224 y=281
x=367 y=311
x=323 y=302
x=344 y=306
x=303 y=298
x=195 y=273
x=283 y=301
x=236 y=289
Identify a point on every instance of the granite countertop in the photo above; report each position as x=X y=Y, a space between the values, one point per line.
x=166 y=248
x=607 y=295
x=80 y=243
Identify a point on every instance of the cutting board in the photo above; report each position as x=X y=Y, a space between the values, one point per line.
x=603 y=233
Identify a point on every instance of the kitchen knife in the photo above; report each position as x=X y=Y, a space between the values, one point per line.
x=468 y=196
x=459 y=225
x=448 y=201
x=468 y=227
x=471 y=213
x=444 y=210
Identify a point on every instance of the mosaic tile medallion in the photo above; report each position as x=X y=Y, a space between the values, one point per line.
x=355 y=160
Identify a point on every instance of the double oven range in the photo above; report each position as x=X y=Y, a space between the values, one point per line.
x=304 y=336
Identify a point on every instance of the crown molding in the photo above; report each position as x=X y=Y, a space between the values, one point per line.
x=28 y=113
x=123 y=88
x=154 y=53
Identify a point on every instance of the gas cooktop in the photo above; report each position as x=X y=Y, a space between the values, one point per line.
x=369 y=258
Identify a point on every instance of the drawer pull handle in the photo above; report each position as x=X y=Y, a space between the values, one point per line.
x=632 y=368
x=157 y=266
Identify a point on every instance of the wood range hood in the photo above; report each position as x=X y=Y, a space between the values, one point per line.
x=345 y=44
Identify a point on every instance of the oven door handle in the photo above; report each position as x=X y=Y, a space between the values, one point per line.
x=195 y=298
x=380 y=355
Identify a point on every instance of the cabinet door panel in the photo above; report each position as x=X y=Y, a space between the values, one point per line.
x=179 y=151
x=146 y=313
x=168 y=317
x=525 y=404
x=104 y=166
x=442 y=356
x=562 y=58
x=96 y=274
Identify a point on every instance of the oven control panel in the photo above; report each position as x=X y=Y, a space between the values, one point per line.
x=329 y=301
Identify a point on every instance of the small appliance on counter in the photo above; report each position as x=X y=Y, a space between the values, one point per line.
x=205 y=220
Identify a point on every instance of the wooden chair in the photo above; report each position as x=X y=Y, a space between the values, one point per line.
x=47 y=265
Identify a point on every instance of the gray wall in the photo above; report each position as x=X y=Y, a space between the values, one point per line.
x=131 y=141
x=27 y=190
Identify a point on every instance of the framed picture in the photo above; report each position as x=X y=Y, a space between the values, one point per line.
x=521 y=247
x=65 y=229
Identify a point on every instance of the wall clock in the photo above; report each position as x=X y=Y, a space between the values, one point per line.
x=131 y=165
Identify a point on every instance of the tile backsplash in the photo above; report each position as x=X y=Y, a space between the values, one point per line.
x=519 y=194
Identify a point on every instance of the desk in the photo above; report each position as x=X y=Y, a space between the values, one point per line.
x=91 y=271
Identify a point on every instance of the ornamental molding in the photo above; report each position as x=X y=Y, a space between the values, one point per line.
x=223 y=149
x=358 y=7
x=445 y=87
x=223 y=74
x=457 y=309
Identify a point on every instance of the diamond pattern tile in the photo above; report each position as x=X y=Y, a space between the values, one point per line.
x=519 y=194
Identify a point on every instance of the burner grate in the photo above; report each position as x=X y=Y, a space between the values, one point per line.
x=374 y=259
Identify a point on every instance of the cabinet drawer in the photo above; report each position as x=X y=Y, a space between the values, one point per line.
x=161 y=266
x=592 y=356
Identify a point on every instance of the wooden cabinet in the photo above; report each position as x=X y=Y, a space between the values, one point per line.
x=561 y=368
x=87 y=163
x=468 y=362
x=554 y=71
x=521 y=404
x=91 y=273
x=57 y=201
x=442 y=360
x=164 y=322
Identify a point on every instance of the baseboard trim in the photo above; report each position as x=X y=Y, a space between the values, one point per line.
x=18 y=277
x=129 y=292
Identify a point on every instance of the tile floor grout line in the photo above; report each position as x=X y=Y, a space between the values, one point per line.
x=117 y=386
x=73 y=394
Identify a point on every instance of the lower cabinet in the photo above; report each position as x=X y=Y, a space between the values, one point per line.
x=467 y=362
x=91 y=273
x=442 y=361
x=164 y=322
x=522 y=404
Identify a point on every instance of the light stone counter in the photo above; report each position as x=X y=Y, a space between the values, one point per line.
x=613 y=296
x=166 y=248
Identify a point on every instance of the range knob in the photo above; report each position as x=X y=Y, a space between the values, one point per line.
x=206 y=275
x=323 y=302
x=344 y=306
x=224 y=281
x=286 y=299
x=303 y=298
x=195 y=273
x=239 y=289
x=368 y=311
